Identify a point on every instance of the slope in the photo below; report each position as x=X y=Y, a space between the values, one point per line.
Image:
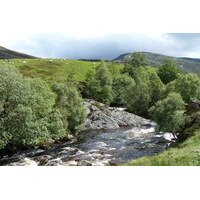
x=187 y=65
x=9 y=54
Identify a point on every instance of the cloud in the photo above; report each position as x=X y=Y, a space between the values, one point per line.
x=107 y=46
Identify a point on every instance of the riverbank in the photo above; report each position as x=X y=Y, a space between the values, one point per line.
x=185 y=154
x=96 y=148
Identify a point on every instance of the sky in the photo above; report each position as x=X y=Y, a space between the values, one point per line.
x=99 y=29
x=106 y=46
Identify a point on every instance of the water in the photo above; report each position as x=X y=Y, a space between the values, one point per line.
x=97 y=148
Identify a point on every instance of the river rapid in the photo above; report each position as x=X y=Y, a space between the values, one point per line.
x=96 y=148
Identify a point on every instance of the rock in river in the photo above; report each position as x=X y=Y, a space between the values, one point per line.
x=101 y=116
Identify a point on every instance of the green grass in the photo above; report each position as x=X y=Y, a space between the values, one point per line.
x=52 y=70
x=186 y=154
x=55 y=70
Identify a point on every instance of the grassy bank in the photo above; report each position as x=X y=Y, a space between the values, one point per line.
x=186 y=154
x=53 y=70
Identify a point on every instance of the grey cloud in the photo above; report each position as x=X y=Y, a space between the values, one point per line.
x=108 y=46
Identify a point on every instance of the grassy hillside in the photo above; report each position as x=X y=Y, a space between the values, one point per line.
x=186 y=154
x=9 y=54
x=53 y=70
x=187 y=65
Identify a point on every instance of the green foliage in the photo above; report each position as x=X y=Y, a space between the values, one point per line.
x=156 y=86
x=71 y=106
x=25 y=109
x=168 y=72
x=188 y=86
x=133 y=62
x=137 y=100
x=113 y=68
x=169 y=113
x=99 y=84
x=123 y=86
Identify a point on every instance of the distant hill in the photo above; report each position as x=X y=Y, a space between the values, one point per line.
x=186 y=64
x=9 y=54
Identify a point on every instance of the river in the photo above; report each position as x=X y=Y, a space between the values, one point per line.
x=97 y=148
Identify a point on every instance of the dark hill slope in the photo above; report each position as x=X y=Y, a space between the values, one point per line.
x=187 y=65
x=9 y=54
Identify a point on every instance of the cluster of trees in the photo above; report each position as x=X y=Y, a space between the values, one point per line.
x=161 y=95
x=32 y=114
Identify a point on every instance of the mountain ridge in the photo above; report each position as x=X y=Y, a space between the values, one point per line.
x=10 y=54
x=186 y=64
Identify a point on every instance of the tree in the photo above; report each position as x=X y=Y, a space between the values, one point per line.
x=99 y=84
x=123 y=86
x=156 y=86
x=169 y=113
x=169 y=71
x=26 y=111
x=70 y=103
x=188 y=85
x=138 y=100
x=133 y=62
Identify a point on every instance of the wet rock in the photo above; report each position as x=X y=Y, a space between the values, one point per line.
x=54 y=162
x=84 y=163
x=42 y=160
x=71 y=163
x=101 y=116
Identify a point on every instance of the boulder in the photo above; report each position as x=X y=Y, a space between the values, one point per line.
x=101 y=116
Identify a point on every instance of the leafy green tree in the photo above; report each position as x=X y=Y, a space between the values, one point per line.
x=113 y=69
x=169 y=71
x=133 y=62
x=169 y=113
x=156 y=86
x=99 y=84
x=71 y=106
x=123 y=86
x=25 y=109
x=188 y=85
x=138 y=100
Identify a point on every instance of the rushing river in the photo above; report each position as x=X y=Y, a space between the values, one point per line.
x=97 y=148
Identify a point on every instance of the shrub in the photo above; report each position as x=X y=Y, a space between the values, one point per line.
x=70 y=103
x=169 y=113
x=25 y=109
x=168 y=72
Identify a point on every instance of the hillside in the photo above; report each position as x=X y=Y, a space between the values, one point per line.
x=53 y=70
x=187 y=65
x=9 y=54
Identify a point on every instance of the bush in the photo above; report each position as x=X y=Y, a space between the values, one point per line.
x=156 y=86
x=138 y=99
x=168 y=72
x=123 y=86
x=169 y=113
x=99 y=84
x=187 y=85
x=71 y=106
x=25 y=109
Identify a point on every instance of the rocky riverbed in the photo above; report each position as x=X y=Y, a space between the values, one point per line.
x=112 y=136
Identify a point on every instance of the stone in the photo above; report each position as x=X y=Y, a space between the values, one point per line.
x=71 y=163
x=84 y=163
x=101 y=116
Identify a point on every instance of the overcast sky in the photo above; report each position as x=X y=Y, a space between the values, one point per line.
x=106 y=46
x=98 y=29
